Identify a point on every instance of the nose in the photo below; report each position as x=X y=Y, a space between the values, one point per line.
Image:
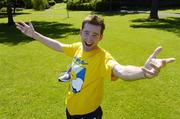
x=89 y=38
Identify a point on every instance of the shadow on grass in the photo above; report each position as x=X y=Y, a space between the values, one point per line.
x=170 y=24
x=12 y=36
x=4 y=14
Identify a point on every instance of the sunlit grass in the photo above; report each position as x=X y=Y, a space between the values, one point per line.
x=29 y=70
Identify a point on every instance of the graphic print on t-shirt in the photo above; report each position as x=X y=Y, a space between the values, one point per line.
x=78 y=71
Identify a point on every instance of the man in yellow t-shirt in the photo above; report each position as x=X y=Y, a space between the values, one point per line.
x=91 y=65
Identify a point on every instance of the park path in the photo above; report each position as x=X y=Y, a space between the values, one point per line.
x=168 y=14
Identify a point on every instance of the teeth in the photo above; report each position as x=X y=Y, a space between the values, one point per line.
x=88 y=43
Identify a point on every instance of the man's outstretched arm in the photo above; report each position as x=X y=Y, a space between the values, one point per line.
x=28 y=30
x=149 y=70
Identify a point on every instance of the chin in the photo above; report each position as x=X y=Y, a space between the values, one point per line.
x=87 y=48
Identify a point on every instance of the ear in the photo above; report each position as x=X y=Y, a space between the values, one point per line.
x=101 y=37
x=80 y=31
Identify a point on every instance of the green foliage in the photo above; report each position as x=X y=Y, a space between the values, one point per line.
x=101 y=6
x=28 y=4
x=59 y=1
x=81 y=4
x=51 y=2
x=3 y=9
x=104 y=5
x=39 y=4
x=2 y=2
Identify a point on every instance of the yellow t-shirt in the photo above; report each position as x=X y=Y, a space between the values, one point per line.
x=88 y=69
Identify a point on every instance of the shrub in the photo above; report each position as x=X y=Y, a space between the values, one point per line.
x=28 y=4
x=51 y=2
x=59 y=1
x=3 y=9
x=80 y=5
x=101 y=6
x=39 y=4
x=104 y=5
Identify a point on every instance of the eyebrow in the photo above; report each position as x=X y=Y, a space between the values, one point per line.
x=94 y=33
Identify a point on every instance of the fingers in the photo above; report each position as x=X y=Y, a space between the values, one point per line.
x=154 y=71
x=147 y=71
x=20 y=27
x=154 y=54
x=23 y=24
x=169 y=60
x=23 y=27
x=30 y=24
x=152 y=66
x=156 y=68
x=162 y=62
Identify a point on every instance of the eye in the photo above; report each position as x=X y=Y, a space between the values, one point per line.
x=95 y=35
x=86 y=33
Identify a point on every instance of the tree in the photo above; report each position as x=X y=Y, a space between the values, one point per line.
x=10 y=4
x=9 y=13
x=154 y=9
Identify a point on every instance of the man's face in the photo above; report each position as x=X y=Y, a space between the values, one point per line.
x=90 y=36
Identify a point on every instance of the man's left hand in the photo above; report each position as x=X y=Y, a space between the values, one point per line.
x=153 y=66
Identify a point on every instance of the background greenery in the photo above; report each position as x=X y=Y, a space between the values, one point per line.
x=29 y=70
x=105 y=5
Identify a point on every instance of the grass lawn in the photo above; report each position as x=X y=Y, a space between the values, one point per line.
x=29 y=70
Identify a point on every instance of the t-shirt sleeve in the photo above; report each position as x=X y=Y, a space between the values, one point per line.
x=109 y=63
x=70 y=49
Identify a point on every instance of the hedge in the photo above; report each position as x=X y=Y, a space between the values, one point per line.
x=102 y=5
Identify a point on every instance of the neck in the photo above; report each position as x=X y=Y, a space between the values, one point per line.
x=89 y=50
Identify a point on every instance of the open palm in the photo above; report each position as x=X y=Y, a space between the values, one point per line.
x=26 y=29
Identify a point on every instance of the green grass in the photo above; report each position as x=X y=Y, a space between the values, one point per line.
x=29 y=70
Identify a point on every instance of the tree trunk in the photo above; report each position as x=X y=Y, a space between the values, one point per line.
x=9 y=14
x=154 y=10
x=14 y=9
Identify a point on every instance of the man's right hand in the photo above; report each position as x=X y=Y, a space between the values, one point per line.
x=26 y=29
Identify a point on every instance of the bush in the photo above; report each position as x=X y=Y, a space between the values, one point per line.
x=39 y=4
x=101 y=6
x=104 y=5
x=81 y=5
x=51 y=2
x=3 y=9
x=28 y=4
x=59 y=1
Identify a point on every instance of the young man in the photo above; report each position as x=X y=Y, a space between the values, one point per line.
x=90 y=65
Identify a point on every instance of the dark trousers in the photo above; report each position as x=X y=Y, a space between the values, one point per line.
x=97 y=114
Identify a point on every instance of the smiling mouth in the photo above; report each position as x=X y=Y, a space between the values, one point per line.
x=88 y=44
